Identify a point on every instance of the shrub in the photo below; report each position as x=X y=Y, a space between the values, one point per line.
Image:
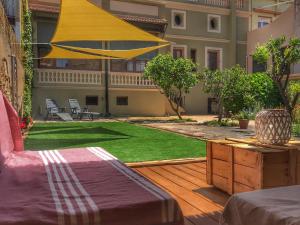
x=265 y=92
x=236 y=94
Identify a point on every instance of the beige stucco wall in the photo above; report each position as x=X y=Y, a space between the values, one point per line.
x=196 y=102
x=140 y=102
x=283 y=25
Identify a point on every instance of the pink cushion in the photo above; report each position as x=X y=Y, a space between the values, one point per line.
x=14 y=126
x=10 y=133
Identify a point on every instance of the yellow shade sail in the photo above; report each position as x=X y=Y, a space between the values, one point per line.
x=81 y=20
x=62 y=51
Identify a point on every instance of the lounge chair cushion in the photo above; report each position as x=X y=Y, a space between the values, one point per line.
x=75 y=107
x=51 y=106
x=10 y=133
x=277 y=206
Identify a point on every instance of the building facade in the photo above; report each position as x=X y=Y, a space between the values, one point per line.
x=285 y=23
x=213 y=33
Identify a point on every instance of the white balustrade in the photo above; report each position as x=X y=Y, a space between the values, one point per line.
x=225 y=3
x=219 y=3
x=82 y=77
x=240 y=4
x=130 y=79
x=56 y=76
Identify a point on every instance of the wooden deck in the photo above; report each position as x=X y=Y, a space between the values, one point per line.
x=201 y=203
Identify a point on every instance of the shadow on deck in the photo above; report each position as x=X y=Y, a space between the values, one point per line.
x=201 y=203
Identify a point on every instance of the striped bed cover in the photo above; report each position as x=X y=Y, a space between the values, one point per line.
x=84 y=186
x=78 y=187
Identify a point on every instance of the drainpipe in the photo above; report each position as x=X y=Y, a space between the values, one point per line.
x=233 y=33
x=106 y=78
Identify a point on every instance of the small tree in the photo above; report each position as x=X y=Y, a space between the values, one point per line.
x=282 y=55
x=230 y=88
x=213 y=82
x=175 y=77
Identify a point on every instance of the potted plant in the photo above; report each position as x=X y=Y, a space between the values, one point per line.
x=243 y=117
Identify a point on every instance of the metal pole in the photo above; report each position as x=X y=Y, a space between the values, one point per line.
x=106 y=74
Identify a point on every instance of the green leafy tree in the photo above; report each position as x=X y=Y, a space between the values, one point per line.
x=281 y=54
x=230 y=88
x=236 y=91
x=175 y=77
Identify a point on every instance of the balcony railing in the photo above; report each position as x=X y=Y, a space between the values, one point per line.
x=240 y=4
x=129 y=79
x=82 y=77
x=51 y=76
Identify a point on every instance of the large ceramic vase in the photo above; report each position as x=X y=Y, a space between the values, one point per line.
x=273 y=127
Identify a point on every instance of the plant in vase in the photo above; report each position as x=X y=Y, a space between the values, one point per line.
x=279 y=55
x=244 y=117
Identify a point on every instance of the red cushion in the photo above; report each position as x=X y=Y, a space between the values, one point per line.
x=10 y=133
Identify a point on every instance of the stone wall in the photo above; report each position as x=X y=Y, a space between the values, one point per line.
x=11 y=69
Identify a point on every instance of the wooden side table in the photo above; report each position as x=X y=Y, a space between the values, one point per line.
x=236 y=167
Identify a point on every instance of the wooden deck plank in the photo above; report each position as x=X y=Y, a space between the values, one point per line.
x=206 y=191
x=208 y=209
x=193 y=216
x=191 y=172
x=201 y=204
x=191 y=213
x=198 y=180
x=195 y=168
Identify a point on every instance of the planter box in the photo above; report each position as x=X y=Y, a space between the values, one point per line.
x=234 y=167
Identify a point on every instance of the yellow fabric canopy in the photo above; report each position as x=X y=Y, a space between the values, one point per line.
x=63 y=51
x=81 y=20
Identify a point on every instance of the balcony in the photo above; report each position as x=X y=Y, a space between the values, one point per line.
x=240 y=4
x=78 y=78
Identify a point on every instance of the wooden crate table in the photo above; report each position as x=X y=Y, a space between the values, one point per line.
x=238 y=167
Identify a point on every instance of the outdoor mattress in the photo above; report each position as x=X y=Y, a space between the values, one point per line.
x=85 y=186
x=78 y=187
x=278 y=206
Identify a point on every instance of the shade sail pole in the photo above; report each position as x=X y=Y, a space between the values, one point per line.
x=106 y=74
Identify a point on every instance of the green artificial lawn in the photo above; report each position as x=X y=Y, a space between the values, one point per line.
x=128 y=142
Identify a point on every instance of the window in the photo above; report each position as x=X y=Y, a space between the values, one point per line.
x=194 y=55
x=135 y=66
x=263 y=21
x=62 y=63
x=213 y=58
x=71 y=64
x=178 y=19
x=140 y=66
x=122 y=100
x=91 y=100
x=258 y=67
x=130 y=66
x=179 y=51
x=214 y=23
